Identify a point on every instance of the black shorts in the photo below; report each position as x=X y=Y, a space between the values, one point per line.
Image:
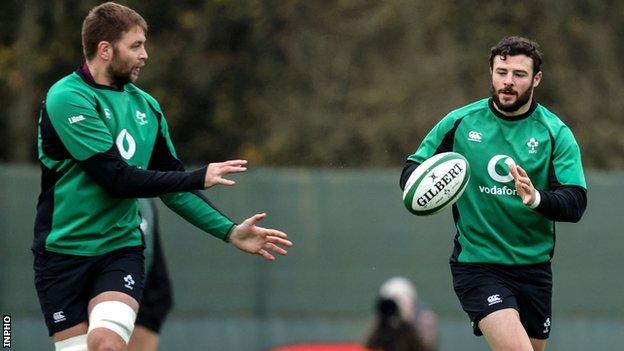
x=66 y=283
x=157 y=296
x=485 y=288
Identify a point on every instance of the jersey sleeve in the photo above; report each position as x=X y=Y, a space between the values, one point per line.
x=439 y=139
x=78 y=124
x=194 y=207
x=566 y=198
x=567 y=165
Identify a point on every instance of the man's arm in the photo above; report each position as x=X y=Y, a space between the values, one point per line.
x=408 y=169
x=71 y=116
x=564 y=204
x=199 y=211
x=438 y=140
x=565 y=199
x=121 y=180
x=193 y=206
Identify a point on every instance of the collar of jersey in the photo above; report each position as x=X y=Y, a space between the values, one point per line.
x=89 y=80
x=512 y=118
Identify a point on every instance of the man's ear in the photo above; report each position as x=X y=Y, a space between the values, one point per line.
x=537 y=79
x=105 y=50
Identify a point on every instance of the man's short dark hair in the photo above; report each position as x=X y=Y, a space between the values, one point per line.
x=108 y=22
x=512 y=46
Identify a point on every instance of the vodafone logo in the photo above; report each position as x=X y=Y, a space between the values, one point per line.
x=500 y=159
x=125 y=139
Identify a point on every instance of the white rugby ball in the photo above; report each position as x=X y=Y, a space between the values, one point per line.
x=436 y=183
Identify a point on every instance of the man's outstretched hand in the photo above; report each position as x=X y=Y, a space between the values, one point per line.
x=524 y=186
x=252 y=239
x=216 y=171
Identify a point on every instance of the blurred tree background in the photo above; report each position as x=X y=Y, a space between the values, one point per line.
x=344 y=83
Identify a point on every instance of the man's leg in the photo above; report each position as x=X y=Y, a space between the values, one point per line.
x=538 y=344
x=76 y=330
x=111 y=321
x=114 y=298
x=60 y=280
x=143 y=339
x=71 y=339
x=504 y=332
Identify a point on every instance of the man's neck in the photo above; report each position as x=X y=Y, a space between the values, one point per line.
x=99 y=73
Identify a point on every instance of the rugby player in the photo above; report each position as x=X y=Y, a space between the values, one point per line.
x=526 y=174
x=103 y=142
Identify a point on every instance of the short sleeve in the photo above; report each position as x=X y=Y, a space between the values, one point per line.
x=78 y=124
x=164 y=130
x=567 y=159
x=434 y=139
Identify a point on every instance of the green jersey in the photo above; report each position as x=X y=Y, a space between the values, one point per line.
x=100 y=148
x=493 y=225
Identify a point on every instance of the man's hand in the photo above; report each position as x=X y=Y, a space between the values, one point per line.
x=216 y=171
x=524 y=187
x=252 y=239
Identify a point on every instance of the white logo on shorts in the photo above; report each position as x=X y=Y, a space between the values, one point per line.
x=547 y=325
x=58 y=316
x=494 y=299
x=129 y=282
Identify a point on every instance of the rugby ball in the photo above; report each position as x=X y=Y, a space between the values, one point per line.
x=436 y=183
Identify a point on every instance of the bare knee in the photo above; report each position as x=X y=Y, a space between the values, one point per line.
x=110 y=325
x=101 y=339
x=503 y=331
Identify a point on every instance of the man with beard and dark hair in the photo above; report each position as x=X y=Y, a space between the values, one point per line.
x=526 y=174
x=103 y=143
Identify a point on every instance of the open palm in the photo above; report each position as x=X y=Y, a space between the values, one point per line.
x=250 y=238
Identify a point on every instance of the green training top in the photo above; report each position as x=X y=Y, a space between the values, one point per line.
x=100 y=148
x=493 y=225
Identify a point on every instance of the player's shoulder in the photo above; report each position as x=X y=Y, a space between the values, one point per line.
x=549 y=119
x=66 y=86
x=134 y=89
x=473 y=108
x=70 y=90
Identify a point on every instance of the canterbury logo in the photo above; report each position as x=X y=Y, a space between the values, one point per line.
x=475 y=136
x=494 y=299
x=58 y=316
x=124 y=138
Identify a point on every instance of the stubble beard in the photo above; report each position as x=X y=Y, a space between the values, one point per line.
x=520 y=100
x=121 y=72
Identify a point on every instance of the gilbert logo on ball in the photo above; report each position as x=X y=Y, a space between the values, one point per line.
x=436 y=184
